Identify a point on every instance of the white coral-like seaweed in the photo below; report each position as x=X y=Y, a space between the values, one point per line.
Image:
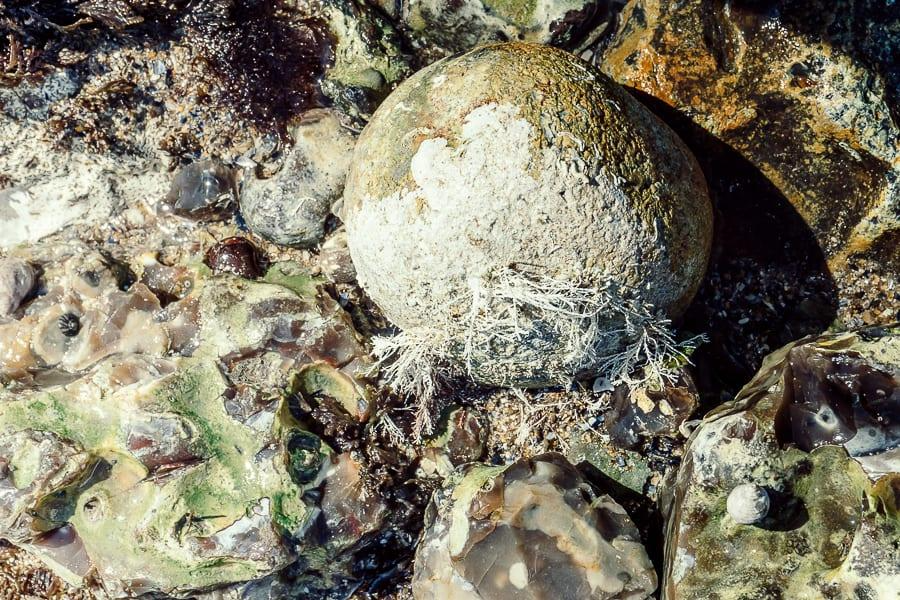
x=589 y=321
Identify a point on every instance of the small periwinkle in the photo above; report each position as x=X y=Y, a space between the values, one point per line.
x=236 y=255
x=203 y=191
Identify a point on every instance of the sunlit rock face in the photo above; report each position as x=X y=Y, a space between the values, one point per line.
x=807 y=92
x=148 y=440
x=534 y=529
x=816 y=435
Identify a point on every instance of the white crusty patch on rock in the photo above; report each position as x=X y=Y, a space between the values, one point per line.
x=521 y=205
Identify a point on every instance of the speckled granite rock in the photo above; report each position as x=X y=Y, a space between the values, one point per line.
x=817 y=435
x=534 y=530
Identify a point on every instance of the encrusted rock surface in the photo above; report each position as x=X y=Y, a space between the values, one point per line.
x=534 y=529
x=807 y=92
x=446 y=27
x=176 y=465
x=818 y=431
x=186 y=408
x=468 y=185
x=291 y=207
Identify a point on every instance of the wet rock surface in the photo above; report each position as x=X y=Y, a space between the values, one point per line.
x=806 y=92
x=180 y=317
x=533 y=529
x=202 y=190
x=792 y=487
x=175 y=466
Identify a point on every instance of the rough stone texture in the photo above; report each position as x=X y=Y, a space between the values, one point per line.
x=639 y=412
x=468 y=169
x=176 y=465
x=806 y=91
x=290 y=208
x=459 y=26
x=531 y=530
x=105 y=110
x=17 y=278
x=368 y=59
x=818 y=430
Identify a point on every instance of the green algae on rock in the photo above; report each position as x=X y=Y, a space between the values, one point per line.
x=530 y=530
x=818 y=429
x=524 y=210
x=180 y=469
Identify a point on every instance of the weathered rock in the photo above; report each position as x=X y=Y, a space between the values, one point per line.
x=461 y=437
x=17 y=279
x=792 y=487
x=534 y=529
x=808 y=92
x=452 y=27
x=290 y=208
x=470 y=198
x=177 y=468
x=642 y=411
x=368 y=59
x=335 y=260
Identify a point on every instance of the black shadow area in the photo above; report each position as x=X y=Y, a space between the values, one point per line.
x=767 y=282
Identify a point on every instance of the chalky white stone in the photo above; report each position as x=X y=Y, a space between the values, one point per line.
x=519 y=158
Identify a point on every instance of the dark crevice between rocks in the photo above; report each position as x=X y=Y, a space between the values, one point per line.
x=642 y=510
x=767 y=283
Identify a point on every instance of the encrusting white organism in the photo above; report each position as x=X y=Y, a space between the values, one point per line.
x=524 y=222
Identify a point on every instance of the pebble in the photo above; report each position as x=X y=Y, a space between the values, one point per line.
x=17 y=279
x=236 y=255
x=202 y=191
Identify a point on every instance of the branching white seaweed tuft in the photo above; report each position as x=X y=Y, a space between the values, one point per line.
x=590 y=321
x=598 y=328
x=415 y=364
